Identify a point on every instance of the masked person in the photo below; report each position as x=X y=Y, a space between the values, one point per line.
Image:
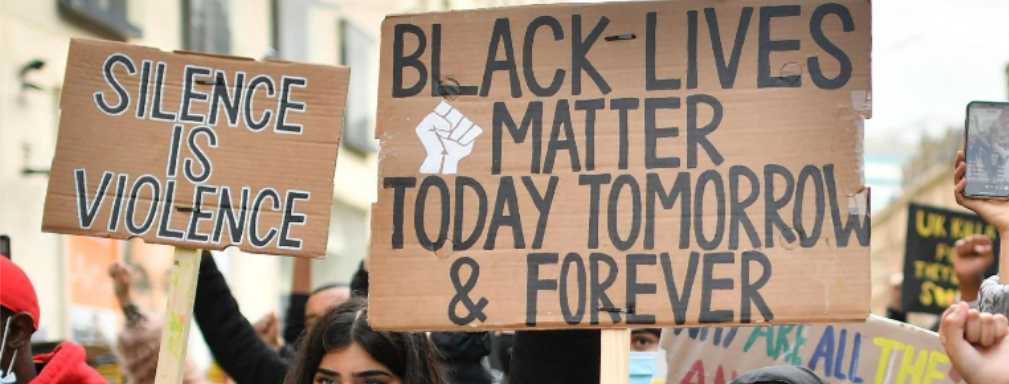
x=19 y=316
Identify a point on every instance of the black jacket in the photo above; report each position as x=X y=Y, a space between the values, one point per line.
x=231 y=338
x=556 y=357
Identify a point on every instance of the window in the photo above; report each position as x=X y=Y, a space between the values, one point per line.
x=107 y=17
x=205 y=26
x=357 y=52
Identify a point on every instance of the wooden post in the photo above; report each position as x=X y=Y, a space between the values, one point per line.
x=615 y=355
x=178 y=313
x=1003 y=258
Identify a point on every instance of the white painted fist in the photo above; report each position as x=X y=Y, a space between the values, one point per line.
x=448 y=137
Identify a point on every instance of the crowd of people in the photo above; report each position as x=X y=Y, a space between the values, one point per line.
x=326 y=337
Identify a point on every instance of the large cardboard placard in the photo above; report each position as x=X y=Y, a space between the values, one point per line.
x=623 y=164
x=877 y=351
x=196 y=150
x=930 y=284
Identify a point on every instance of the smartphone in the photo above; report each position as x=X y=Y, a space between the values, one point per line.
x=986 y=146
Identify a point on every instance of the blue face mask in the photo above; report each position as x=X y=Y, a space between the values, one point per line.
x=642 y=366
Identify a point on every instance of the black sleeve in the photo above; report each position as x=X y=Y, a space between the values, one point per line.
x=294 y=320
x=559 y=357
x=896 y=314
x=231 y=338
x=359 y=282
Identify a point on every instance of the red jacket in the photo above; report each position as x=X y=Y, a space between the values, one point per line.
x=65 y=364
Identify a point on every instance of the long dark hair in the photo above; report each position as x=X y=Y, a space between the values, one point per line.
x=411 y=356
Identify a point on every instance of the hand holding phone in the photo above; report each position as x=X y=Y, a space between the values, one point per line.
x=986 y=147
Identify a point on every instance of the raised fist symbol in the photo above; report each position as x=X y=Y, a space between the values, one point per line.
x=447 y=137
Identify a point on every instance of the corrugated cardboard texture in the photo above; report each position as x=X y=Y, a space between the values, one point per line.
x=289 y=173
x=776 y=136
x=877 y=351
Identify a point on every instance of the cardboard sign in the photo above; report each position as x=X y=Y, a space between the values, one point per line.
x=625 y=164
x=877 y=351
x=930 y=283
x=195 y=150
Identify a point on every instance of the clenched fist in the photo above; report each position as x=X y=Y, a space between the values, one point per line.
x=448 y=137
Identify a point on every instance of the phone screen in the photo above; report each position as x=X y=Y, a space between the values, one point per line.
x=987 y=149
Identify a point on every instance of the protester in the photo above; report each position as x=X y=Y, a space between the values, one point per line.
x=343 y=348
x=19 y=317
x=976 y=342
x=461 y=353
x=138 y=344
x=232 y=339
x=645 y=339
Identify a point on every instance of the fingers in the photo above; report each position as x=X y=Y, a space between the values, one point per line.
x=1001 y=326
x=973 y=328
x=951 y=329
x=987 y=330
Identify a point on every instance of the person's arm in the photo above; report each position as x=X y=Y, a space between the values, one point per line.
x=301 y=288
x=359 y=282
x=231 y=338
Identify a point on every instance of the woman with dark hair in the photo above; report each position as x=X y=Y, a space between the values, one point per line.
x=343 y=349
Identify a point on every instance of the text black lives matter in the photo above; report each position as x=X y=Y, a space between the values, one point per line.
x=780 y=194
x=238 y=210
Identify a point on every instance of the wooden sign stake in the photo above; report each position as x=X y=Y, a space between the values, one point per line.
x=615 y=355
x=178 y=313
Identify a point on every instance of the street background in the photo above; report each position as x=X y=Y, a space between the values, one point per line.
x=930 y=58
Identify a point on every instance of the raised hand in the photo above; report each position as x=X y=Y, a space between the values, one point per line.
x=973 y=256
x=976 y=344
x=448 y=137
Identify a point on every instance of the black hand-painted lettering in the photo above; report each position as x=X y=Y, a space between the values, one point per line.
x=506 y=200
x=473 y=310
x=527 y=57
x=590 y=107
x=400 y=60
x=501 y=37
x=576 y=316
x=749 y=290
x=108 y=72
x=292 y=217
x=613 y=217
x=858 y=220
x=562 y=123
x=254 y=237
x=737 y=206
x=709 y=284
x=680 y=191
x=653 y=133
x=420 y=228
x=206 y=166
x=772 y=219
x=289 y=104
x=164 y=225
x=534 y=284
x=679 y=300
x=595 y=183
x=816 y=31
x=399 y=186
x=86 y=215
x=543 y=202
x=189 y=92
x=579 y=55
x=634 y=288
x=623 y=105
x=459 y=242
x=599 y=300
x=532 y=120
x=709 y=176
x=652 y=81
x=766 y=46
x=727 y=71
x=808 y=239
x=698 y=135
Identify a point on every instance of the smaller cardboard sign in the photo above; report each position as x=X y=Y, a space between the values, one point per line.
x=930 y=283
x=879 y=350
x=196 y=150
